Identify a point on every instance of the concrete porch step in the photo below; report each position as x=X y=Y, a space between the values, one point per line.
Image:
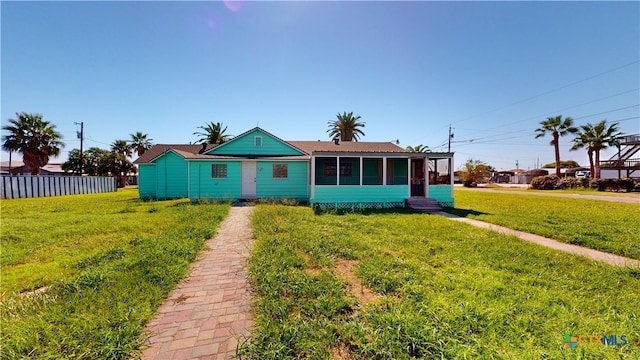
x=423 y=204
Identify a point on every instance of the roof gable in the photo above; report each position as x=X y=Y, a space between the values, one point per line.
x=256 y=142
x=158 y=150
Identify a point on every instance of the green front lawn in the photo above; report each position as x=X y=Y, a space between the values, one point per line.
x=601 y=225
x=105 y=263
x=441 y=289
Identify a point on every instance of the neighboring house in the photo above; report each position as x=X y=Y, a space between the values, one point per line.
x=19 y=168
x=259 y=165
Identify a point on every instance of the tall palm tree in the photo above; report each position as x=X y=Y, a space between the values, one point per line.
x=35 y=138
x=583 y=139
x=557 y=127
x=603 y=136
x=213 y=133
x=140 y=143
x=346 y=126
x=417 y=149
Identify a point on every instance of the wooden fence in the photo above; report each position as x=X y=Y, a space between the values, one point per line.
x=27 y=186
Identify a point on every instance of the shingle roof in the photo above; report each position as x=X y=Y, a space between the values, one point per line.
x=160 y=149
x=196 y=152
x=346 y=146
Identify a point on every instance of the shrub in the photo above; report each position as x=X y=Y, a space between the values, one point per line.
x=569 y=183
x=470 y=183
x=546 y=182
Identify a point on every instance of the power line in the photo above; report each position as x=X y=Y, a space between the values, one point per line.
x=571 y=107
x=610 y=111
x=552 y=90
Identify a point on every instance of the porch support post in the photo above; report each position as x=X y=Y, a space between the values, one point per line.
x=426 y=177
x=361 y=169
x=409 y=182
x=384 y=170
x=312 y=173
x=338 y=170
x=451 y=174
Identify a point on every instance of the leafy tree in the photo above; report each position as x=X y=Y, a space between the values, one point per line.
x=346 y=126
x=564 y=164
x=73 y=162
x=94 y=162
x=595 y=138
x=140 y=143
x=212 y=133
x=35 y=138
x=418 y=148
x=557 y=127
x=474 y=171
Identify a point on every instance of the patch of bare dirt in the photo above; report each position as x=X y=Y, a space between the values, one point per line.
x=340 y=352
x=345 y=268
x=34 y=292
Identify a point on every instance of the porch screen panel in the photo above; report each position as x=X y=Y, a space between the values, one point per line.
x=372 y=172
x=349 y=171
x=440 y=171
x=397 y=172
x=325 y=171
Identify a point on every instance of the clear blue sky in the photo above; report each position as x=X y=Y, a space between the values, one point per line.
x=493 y=70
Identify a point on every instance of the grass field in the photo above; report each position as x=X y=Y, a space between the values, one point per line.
x=104 y=262
x=404 y=285
x=601 y=225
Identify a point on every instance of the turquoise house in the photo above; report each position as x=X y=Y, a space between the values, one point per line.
x=327 y=174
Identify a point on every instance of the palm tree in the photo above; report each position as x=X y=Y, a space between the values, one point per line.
x=117 y=161
x=121 y=147
x=603 y=136
x=347 y=127
x=140 y=143
x=417 y=149
x=213 y=134
x=35 y=138
x=557 y=127
x=583 y=139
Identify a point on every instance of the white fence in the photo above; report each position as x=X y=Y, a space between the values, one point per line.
x=26 y=186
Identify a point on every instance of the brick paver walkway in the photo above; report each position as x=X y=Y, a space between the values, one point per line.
x=554 y=244
x=208 y=314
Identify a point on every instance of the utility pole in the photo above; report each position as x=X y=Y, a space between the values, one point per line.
x=80 y=135
x=450 y=137
x=516 y=164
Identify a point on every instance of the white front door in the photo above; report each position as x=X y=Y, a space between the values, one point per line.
x=248 y=189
